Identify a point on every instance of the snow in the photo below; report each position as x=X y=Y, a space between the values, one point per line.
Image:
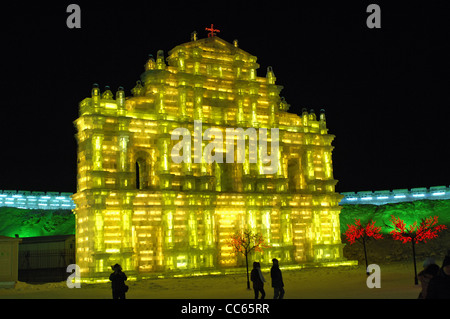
x=397 y=282
x=393 y=257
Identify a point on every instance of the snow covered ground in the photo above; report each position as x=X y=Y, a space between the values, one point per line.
x=397 y=282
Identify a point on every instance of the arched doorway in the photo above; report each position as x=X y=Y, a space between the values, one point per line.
x=143 y=170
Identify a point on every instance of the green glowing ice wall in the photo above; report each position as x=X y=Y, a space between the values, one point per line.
x=35 y=222
x=408 y=211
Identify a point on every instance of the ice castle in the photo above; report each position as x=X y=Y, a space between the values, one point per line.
x=135 y=206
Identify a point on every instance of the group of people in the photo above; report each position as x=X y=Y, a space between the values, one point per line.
x=435 y=280
x=258 y=280
x=119 y=288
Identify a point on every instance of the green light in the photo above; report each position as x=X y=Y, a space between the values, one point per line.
x=409 y=212
x=35 y=222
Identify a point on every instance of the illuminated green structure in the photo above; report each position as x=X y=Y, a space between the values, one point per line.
x=135 y=206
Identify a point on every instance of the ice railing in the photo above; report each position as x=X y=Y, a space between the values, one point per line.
x=36 y=200
x=395 y=196
x=55 y=200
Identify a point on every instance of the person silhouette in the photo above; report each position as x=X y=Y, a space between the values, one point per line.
x=258 y=280
x=425 y=276
x=277 y=280
x=439 y=285
x=118 y=279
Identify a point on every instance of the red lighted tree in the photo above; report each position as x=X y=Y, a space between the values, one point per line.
x=245 y=243
x=362 y=233
x=427 y=229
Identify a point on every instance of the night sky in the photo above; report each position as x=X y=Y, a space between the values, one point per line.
x=385 y=91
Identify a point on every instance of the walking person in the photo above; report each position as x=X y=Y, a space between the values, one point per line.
x=258 y=280
x=277 y=280
x=118 y=279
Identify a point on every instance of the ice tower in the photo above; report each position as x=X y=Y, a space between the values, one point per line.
x=135 y=206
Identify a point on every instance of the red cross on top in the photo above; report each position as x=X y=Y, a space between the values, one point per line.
x=212 y=30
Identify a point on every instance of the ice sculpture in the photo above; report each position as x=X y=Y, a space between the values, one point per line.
x=137 y=207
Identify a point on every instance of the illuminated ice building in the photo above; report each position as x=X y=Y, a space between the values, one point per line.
x=137 y=207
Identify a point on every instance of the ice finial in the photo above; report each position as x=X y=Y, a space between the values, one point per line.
x=312 y=115
x=160 y=64
x=322 y=115
x=284 y=106
x=212 y=34
x=95 y=90
x=150 y=65
x=120 y=96
x=138 y=89
x=107 y=95
x=120 y=93
x=305 y=117
x=194 y=36
x=270 y=76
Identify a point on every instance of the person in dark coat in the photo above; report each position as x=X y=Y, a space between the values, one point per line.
x=258 y=280
x=277 y=280
x=425 y=277
x=439 y=286
x=118 y=279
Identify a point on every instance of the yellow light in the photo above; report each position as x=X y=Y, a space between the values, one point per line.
x=182 y=215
